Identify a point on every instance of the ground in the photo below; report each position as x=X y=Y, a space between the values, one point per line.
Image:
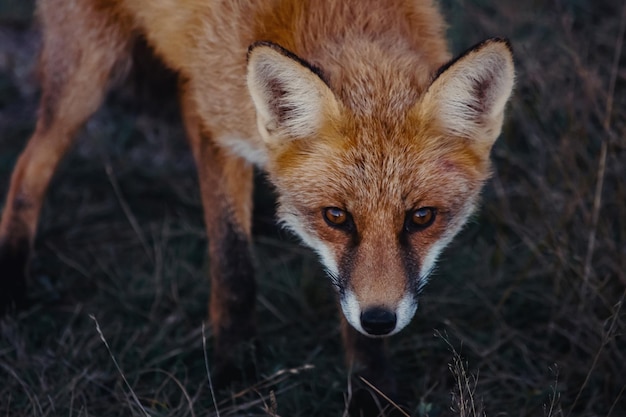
x=524 y=316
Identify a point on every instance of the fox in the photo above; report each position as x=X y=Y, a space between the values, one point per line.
x=375 y=139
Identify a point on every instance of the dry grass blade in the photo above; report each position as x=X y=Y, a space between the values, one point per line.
x=261 y=400
x=180 y=386
x=128 y=212
x=617 y=400
x=117 y=366
x=597 y=201
x=208 y=373
x=554 y=398
x=463 y=397
x=271 y=380
x=32 y=397
x=607 y=336
x=382 y=394
x=271 y=409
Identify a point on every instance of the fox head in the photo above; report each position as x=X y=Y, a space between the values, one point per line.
x=379 y=188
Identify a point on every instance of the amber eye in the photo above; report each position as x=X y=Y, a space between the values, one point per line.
x=421 y=218
x=335 y=216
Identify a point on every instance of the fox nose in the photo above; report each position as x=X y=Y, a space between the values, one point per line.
x=378 y=321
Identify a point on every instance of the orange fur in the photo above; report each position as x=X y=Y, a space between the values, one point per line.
x=339 y=102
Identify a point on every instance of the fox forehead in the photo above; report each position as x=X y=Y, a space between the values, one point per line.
x=370 y=167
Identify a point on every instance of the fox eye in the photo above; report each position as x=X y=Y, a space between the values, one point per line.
x=421 y=218
x=335 y=216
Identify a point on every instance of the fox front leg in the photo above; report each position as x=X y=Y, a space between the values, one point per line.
x=373 y=377
x=226 y=189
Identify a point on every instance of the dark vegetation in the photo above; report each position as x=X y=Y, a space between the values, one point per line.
x=524 y=316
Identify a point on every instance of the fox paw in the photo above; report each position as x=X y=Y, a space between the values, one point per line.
x=238 y=368
x=13 y=263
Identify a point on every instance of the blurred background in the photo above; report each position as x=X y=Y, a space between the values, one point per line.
x=524 y=316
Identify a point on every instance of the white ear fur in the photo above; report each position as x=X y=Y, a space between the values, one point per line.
x=291 y=100
x=469 y=95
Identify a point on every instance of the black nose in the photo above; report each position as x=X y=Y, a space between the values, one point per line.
x=378 y=321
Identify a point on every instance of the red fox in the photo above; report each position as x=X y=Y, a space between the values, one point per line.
x=376 y=141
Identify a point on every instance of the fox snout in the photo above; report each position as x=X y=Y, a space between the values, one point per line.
x=377 y=319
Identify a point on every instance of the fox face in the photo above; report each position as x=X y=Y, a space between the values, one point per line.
x=379 y=187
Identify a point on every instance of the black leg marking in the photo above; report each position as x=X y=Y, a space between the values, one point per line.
x=14 y=259
x=233 y=295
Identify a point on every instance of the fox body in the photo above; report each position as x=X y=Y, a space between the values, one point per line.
x=377 y=144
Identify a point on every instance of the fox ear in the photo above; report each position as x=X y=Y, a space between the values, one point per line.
x=291 y=99
x=468 y=97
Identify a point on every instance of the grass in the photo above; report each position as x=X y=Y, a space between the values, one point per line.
x=524 y=317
